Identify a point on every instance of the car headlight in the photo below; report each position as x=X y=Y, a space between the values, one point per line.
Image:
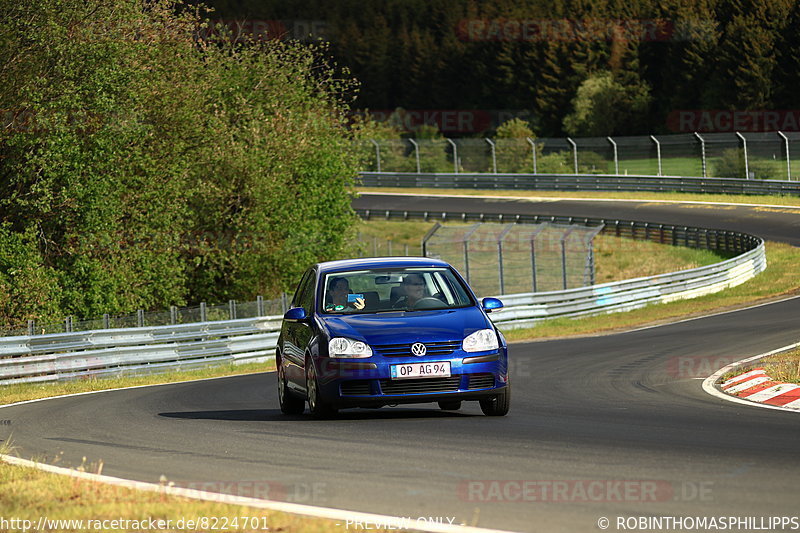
x=348 y=348
x=481 y=341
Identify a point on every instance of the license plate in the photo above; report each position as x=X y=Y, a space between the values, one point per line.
x=439 y=369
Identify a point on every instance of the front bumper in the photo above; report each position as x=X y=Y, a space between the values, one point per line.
x=367 y=382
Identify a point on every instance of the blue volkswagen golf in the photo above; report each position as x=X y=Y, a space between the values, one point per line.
x=387 y=331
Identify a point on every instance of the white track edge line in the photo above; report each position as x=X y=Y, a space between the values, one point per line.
x=708 y=383
x=582 y=199
x=286 y=507
x=86 y=393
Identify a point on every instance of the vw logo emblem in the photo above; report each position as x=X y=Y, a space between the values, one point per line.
x=418 y=349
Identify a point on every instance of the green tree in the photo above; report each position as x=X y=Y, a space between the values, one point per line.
x=155 y=169
x=604 y=106
x=514 y=150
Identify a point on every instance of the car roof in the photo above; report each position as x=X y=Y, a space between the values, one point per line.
x=379 y=262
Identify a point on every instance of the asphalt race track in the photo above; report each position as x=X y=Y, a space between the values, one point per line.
x=609 y=426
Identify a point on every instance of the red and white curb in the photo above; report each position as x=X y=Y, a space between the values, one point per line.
x=757 y=386
x=754 y=387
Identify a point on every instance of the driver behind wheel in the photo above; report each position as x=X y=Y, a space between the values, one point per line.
x=413 y=287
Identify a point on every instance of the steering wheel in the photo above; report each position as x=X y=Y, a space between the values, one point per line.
x=428 y=302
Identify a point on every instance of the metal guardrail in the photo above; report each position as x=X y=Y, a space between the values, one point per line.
x=572 y=182
x=525 y=310
x=64 y=356
x=112 y=352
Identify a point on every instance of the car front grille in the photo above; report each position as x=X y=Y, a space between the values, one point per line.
x=481 y=381
x=417 y=386
x=437 y=348
x=358 y=387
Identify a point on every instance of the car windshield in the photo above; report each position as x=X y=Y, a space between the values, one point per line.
x=397 y=289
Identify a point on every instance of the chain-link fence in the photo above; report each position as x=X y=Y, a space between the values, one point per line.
x=724 y=155
x=175 y=315
x=516 y=258
x=374 y=246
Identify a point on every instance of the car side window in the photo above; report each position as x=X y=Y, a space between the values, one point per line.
x=306 y=300
x=302 y=289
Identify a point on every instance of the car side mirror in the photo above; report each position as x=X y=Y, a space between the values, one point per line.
x=295 y=314
x=491 y=304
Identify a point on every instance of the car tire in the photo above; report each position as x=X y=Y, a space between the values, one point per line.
x=499 y=405
x=450 y=405
x=290 y=403
x=316 y=406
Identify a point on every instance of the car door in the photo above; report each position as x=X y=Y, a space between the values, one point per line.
x=296 y=335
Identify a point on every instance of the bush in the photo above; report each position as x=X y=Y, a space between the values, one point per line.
x=731 y=165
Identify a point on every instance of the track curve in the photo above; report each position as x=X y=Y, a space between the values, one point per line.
x=620 y=412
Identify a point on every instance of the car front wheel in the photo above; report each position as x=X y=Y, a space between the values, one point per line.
x=317 y=407
x=499 y=405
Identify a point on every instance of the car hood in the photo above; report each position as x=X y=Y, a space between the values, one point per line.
x=403 y=327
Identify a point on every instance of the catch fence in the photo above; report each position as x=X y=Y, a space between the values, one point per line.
x=763 y=155
x=512 y=258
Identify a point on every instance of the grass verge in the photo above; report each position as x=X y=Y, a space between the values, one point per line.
x=29 y=493
x=791 y=201
x=784 y=367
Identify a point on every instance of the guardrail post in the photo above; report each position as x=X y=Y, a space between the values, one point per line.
x=616 y=160
x=455 y=155
x=203 y=313
x=494 y=156
x=173 y=315
x=68 y=324
x=416 y=152
x=106 y=321
x=564 y=257
x=31 y=328
x=232 y=309
x=574 y=153
x=702 y=152
x=284 y=302
x=260 y=305
x=533 y=260
x=744 y=147
x=658 y=153
x=140 y=318
x=533 y=152
x=788 y=161
x=377 y=153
